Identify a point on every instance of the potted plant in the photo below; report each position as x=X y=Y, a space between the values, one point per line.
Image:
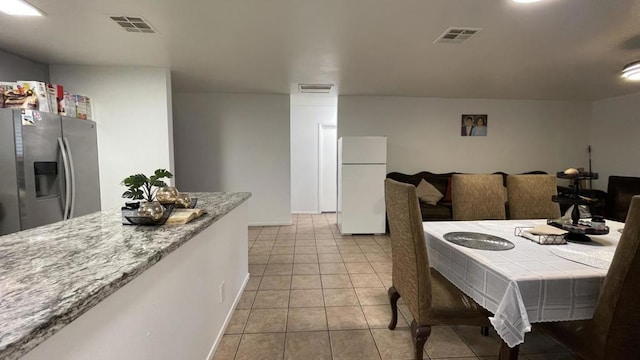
x=142 y=187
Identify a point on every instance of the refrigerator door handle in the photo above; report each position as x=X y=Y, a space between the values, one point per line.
x=72 y=209
x=67 y=182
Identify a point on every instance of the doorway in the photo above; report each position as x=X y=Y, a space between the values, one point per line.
x=327 y=169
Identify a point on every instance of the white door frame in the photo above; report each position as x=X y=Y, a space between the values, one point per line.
x=320 y=162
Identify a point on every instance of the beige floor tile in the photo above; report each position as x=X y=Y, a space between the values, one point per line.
x=307 y=319
x=266 y=320
x=246 y=300
x=275 y=283
x=282 y=250
x=308 y=345
x=355 y=258
x=346 y=318
x=365 y=280
x=306 y=269
x=333 y=268
x=257 y=269
x=258 y=259
x=381 y=267
x=261 y=346
x=305 y=259
x=227 y=347
x=349 y=249
x=326 y=243
x=260 y=250
x=306 y=298
x=271 y=299
x=372 y=249
x=353 y=345
x=305 y=243
x=269 y=230
x=326 y=235
x=278 y=269
x=328 y=249
x=378 y=257
x=308 y=235
x=444 y=342
x=237 y=322
x=284 y=243
x=253 y=283
x=264 y=242
x=394 y=344
x=372 y=296
x=329 y=258
x=359 y=268
x=481 y=345
x=379 y=317
x=340 y=297
x=336 y=281
x=306 y=282
x=365 y=241
x=281 y=259
x=386 y=279
x=306 y=250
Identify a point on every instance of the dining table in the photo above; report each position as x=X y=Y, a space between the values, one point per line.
x=525 y=283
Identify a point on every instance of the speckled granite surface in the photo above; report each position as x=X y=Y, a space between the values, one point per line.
x=52 y=274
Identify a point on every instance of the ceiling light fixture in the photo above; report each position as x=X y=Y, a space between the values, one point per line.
x=19 y=8
x=632 y=71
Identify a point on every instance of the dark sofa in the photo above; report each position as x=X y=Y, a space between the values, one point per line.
x=620 y=190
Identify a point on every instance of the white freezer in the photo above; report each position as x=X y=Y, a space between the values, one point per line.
x=361 y=207
x=362 y=150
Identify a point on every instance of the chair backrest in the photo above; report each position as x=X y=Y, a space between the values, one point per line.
x=410 y=269
x=620 y=189
x=478 y=197
x=529 y=197
x=615 y=327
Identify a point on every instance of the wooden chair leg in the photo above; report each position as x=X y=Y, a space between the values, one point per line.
x=419 y=335
x=484 y=330
x=393 y=300
x=507 y=353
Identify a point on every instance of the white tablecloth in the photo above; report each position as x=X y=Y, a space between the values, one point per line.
x=524 y=285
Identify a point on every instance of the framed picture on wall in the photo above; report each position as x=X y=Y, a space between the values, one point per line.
x=474 y=125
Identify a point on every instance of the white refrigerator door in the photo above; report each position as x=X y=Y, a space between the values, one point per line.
x=362 y=206
x=364 y=150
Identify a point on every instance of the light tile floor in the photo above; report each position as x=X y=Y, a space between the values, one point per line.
x=315 y=294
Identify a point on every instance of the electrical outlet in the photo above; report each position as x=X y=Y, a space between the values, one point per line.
x=221 y=292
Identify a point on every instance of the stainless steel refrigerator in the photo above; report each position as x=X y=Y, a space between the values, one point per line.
x=48 y=169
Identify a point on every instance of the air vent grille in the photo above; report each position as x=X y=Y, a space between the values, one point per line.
x=315 y=88
x=457 y=35
x=133 y=24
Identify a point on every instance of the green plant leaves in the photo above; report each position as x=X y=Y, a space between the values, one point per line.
x=139 y=186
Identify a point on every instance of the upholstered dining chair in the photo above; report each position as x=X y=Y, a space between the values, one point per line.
x=431 y=299
x=478 y=197
x=529 y=197
x=614 y=330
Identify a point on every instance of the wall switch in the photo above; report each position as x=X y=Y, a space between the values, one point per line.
x=221 y=292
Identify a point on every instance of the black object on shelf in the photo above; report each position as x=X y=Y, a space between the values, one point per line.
x=575 y=199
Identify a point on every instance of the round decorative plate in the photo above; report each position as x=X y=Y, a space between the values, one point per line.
x=479 y=241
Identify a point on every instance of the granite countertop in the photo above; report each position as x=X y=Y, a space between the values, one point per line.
x=52 y=274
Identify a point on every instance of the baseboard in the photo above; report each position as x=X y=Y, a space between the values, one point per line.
x=270 y=223
x=212 y=352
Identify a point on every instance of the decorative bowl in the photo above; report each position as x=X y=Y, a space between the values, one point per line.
x=167 y=195
x=152 y=210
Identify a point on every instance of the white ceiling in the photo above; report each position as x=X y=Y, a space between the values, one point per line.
x=554 y=49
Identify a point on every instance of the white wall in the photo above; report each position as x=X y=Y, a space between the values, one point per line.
x=424 y=133
x=307 y=112
x=14 y=67
x=236 y=142
x=132 y=109
x=615 y=127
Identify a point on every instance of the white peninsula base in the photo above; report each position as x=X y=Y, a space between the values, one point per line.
x=177 y=309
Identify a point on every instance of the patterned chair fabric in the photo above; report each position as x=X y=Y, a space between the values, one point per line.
x=614 y=330
x=478 y=197
x=431 y=299
x=529 y=197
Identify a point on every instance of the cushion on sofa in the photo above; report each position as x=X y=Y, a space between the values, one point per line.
x=427 y=193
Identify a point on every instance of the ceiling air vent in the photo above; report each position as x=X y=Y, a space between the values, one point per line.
x=315 y=88
x=456 y=35
x=133 y=24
